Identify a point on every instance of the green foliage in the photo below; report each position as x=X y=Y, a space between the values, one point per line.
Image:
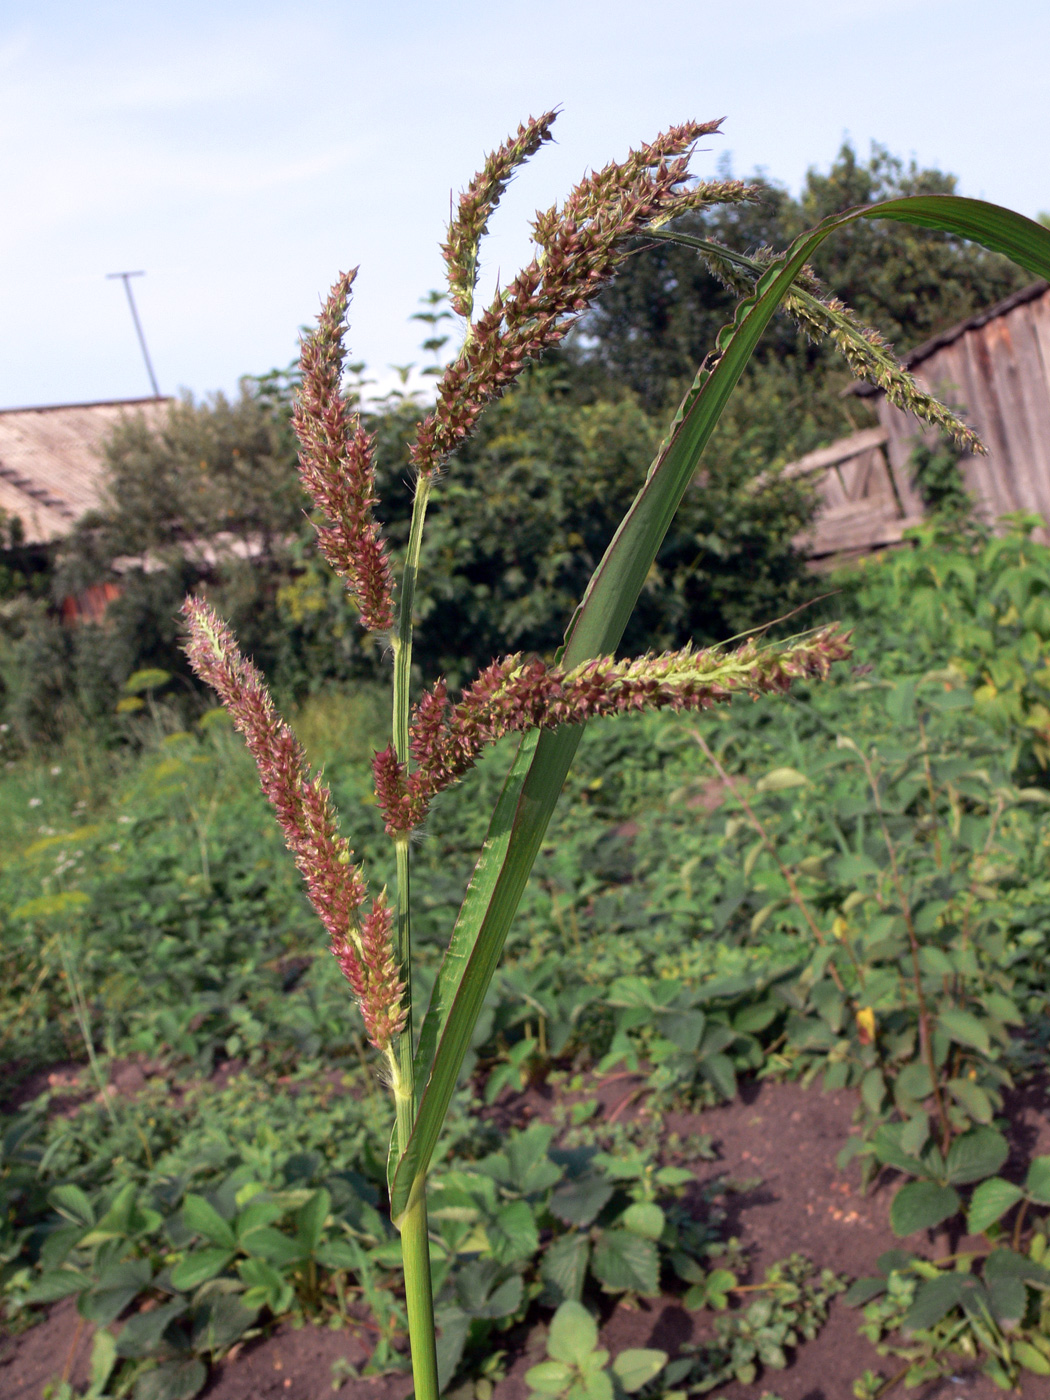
x=535 y=499
x=59 y=678
x=211 y=495
x=536 y=1221
x=214 y=469
x=219 y=1233
x=792 y=1307
x=22 y=567
x=979 y=605
x=929 y=1315
x=666 y=918
x=935 y=476
x=579 y=1369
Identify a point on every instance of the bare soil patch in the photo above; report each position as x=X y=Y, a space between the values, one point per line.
x=777 y=1142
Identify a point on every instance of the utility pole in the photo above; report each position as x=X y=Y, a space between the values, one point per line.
x=125 y=278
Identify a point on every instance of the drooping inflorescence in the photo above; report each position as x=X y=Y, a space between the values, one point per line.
x=818 y=315
x=306 y=815
x=511 y=696
x=336 y=466
x=580 y=245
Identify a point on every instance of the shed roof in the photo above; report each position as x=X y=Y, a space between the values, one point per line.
x=947 y=337
x=51 y=464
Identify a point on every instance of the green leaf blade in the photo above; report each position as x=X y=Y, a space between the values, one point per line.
x=542 y=761
x=203 y=1219
x=638 y=1366
x=990 y=1202
x=977 y=1154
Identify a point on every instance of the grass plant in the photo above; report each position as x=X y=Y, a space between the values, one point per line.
x=435 y=741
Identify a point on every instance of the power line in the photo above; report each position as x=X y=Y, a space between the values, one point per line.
x=125 y=278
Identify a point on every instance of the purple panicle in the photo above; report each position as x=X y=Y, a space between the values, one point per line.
x=306 y=815
x=337 y=469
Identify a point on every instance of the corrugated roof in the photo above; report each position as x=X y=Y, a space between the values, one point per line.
x=51 y=466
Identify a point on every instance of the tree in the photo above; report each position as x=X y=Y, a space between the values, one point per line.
x=216 y=476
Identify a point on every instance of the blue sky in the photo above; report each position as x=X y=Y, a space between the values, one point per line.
x=242 y=154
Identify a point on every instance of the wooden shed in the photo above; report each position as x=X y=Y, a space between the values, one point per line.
x=995 y=368
x=51 y=464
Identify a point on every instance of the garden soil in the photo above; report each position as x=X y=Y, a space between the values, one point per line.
x=776 y=1142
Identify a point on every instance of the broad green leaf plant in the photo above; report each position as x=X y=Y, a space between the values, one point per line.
x=578 y=248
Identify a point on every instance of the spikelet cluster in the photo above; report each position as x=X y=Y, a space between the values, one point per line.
x=580 y=246
x=476 y=204
x=337 y=466
x=367 y=960
x=869 y=356
x=512 y=695
x=306 y=815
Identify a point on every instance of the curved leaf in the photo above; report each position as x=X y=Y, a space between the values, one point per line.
x=194 y=1269
x=114 y=1288
x=573 y=1333
x=975 y=1155
x=549 y=1378
x=644 y=1218
x=203 y=1219
x=934 y=1301
x=638 y=1366
x=1037 y=1182
x=542 y=762
x=624 y=1262
x=175 y=1380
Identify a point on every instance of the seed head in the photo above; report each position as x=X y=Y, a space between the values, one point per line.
x=580 y=246
x=477 y=203
x=513 y=695
x=368 y=965
x=336 y=466
x=306 y=814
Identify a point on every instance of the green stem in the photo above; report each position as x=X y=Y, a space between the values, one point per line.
x=925 y=1030
x=415 y=1251
x=415 y=1255
x=403 y=953
x=80 y=1011
x=413 y=1225
x=402 y=643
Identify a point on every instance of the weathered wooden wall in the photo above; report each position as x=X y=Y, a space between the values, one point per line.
x=996 y=368
x=864 y=506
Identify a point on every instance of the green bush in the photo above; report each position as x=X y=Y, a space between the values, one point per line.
x=973 y=602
